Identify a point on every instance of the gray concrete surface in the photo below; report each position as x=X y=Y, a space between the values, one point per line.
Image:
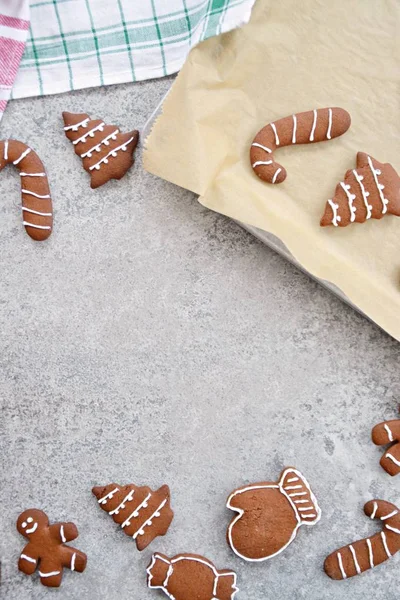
x=152 y=341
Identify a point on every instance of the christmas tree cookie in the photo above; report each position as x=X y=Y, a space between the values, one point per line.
x=106 y=153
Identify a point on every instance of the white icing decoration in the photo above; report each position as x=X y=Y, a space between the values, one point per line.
x=328 y=133
x=364 y=193
x=280 y=486
x=32 y=174
x=6 y=150
x=113 y=153
x=29 y=520
x=36 y=195
x=276 y=134
x=305 y=508
x=23 y=155
x=62 y=536
x=73 y=561
x=343 y=572
x=35 y=525
x=300 y=501
x=375 y=505
x=392 y=514
x=308 y=516
x=189 y=558
x=393 y=529
x=135 y=513
x=384 y=542
x=27 y=224
x=393 y=459
x=276 y=175
x=262 y=147
x=370 y=553
x=294 y=129
x=108 y=496
x=292 y=479
x=77 y=125
x=293 y=487
x=49 y=574
x=28 y=558
x=23 y=525
x=313 y=125
x=357 y=566
x=262 y=162
x=155 y=514
x=298 y=494
x=127 y=498
x=389 y=432
x=97 y=148
x=336 y=218
x=36 y=212
x=89 y=133
x=379 y=186
x=350 y=197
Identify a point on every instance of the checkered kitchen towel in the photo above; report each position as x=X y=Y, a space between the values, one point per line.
x=75 y=44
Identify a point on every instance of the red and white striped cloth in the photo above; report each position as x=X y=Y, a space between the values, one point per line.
x=14 y=26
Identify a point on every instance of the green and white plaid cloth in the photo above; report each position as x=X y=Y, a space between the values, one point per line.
x=75 y=44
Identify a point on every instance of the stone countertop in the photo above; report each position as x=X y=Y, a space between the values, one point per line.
x=152 y=341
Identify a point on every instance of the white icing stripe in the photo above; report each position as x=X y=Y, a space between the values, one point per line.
x=301 y=501
x=393 y=459
x=6 y=150
x=379 y=186
x=294 y=129
x=343 y=572
x=36 y=227
x=135 y=513
x=364 y=193
x=357 y=566
x=384 y=542
x=49 y=574
x=276 y=175
x=276 y=134
x=169 y=573
x=76 y=127
x=392 y=514
x=262 y=147
x=155 y=514
x=127 y=498
x=23 y=155
x=328 y=133
x=393 y=529
x=308 y=516
x=262 y=162
x=113 y=153
x=389 y=432
x=28 y=558
x=32 y=174
x=108 y=496
x=36 y=195
x=73 y=561
x=375 y=505
x=35 y=525
x=292 y=479
x=89 y=133
x=306 y=508
x=98 y=146
x=298 y=494
x=313 y=125
x=370 y=553
x=350 y=198
x=62 y=536
x=36 y=212
x=293 y=487
x=336 y=219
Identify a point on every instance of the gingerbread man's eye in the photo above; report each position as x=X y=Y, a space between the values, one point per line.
x=23 y=525
x=29 y=519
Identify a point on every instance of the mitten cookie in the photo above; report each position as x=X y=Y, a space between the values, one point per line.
x=386 y=433
x=105 y=151
x=368 y=553
x=270 y=515
x=190 y=577
x=36 y=200
x=370 y=191
x=303 y=128
x=46 y=548
x=142 y=513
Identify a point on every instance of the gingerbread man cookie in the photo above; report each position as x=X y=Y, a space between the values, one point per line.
x=190 y=577
x=269 y=515
x=142 y=513
x=302 y=128
x=37 y=208
x=384 y=433
x=370 y=191
x=46 y=549
x=106 y=153
x=368 y=553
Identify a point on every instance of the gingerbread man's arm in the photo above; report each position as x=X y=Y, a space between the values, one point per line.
x=64 y=532
x=28 y=559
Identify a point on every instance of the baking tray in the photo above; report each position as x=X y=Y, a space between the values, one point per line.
x=267 y=238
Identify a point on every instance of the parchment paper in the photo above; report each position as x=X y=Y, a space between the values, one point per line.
x=294 y=56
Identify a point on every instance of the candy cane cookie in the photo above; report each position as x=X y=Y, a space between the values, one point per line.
x=37 y=208
x=366 y=554
x=386 y=433
x=308 y=127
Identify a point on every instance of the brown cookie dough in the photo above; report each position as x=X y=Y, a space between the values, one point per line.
x=385 y=433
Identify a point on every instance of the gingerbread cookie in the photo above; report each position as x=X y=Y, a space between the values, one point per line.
x=302 y=128
x=270 y=515
x=190 y=577
x=46 y=549
x=142 y=513
x=105 y=151
x=37 y=208
x=368 y=553
x=370 y=191
x=388 y=432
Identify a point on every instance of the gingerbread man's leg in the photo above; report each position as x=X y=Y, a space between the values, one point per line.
x=50 y=575
x=73 y=559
